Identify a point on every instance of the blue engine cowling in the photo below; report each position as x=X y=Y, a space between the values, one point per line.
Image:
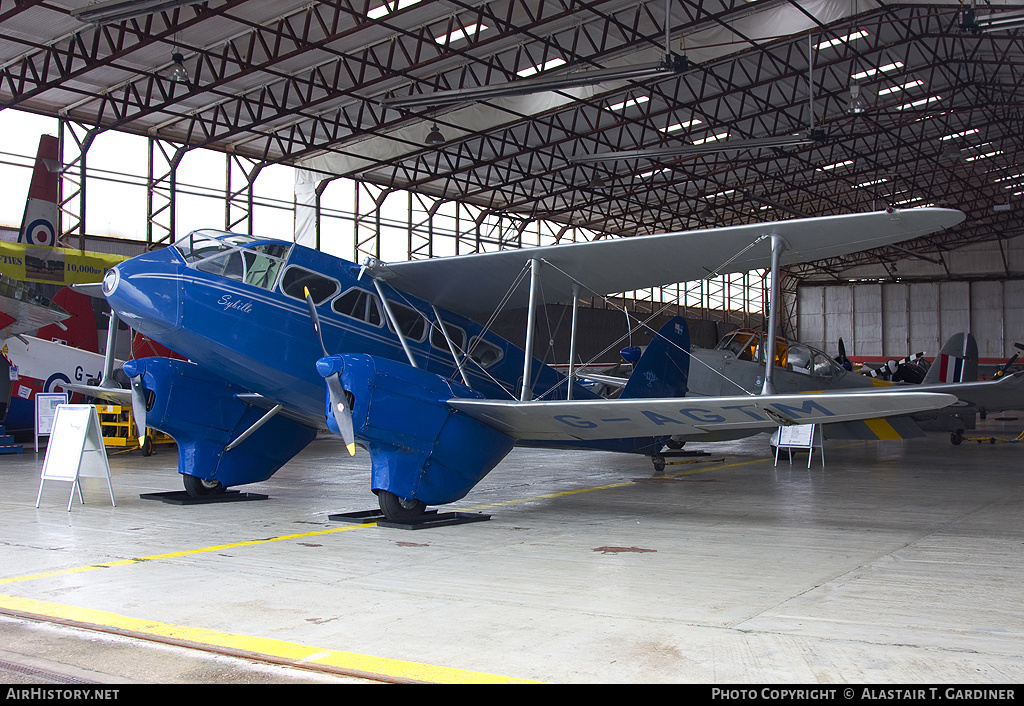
x=420 y=448
x=202 y=413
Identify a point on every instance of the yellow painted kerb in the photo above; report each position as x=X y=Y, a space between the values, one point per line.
x=278 y=650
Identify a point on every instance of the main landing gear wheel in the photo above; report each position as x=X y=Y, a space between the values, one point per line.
x=399 y=509
x=197 y=487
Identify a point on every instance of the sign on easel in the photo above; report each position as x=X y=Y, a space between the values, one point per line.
x=75 y=451
x=799 y=436
x=46 y=408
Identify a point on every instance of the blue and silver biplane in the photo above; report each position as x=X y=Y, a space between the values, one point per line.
x=272 y=330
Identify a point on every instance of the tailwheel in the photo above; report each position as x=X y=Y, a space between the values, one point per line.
x=399 y=509
x=197 y=487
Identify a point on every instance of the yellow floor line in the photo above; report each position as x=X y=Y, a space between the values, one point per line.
x=278 y=651
x=171 y=555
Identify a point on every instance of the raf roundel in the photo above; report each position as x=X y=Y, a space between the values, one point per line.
x=41 y=232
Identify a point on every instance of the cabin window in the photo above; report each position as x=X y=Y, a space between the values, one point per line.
x=359 y=304
x=800 y=358
x=195 y=247
x=261 y=270
x=228 y=265
x=484 y=353
x=297 y=279
x=411 y=322
x=457 y=335
x=822 y=366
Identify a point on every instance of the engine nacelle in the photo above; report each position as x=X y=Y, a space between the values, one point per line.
x=420 y=448
x=202 y=413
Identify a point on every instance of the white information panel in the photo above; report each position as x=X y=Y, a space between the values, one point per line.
x=799 y=436
x=46 y=408
x=75 y=450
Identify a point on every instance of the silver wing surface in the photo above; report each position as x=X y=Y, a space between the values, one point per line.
x=613 y=419
x=476 y=284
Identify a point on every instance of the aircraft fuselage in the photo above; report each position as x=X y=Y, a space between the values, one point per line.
x=235 y=305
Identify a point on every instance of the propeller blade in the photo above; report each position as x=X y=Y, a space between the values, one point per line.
x=139 y=408
x=316 y=318
x=1006 y=366
x=342 y=414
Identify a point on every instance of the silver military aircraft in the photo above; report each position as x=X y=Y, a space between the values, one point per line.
x=737 y=365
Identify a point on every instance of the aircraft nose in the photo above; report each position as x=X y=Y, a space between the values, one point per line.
x=143 y=292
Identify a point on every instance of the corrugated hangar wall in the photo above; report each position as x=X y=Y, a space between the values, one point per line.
x=978 y=289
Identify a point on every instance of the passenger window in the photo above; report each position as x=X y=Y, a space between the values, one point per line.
x=359 y=304
x=297 y=279
x=457 y=335
x=412 y=323
x=484 y=353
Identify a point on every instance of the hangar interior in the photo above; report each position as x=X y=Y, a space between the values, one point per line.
x=416 y=129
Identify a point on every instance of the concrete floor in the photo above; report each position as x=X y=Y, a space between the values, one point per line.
x=898 y=562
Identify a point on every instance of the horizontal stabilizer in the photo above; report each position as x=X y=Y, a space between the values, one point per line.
x=615 y=419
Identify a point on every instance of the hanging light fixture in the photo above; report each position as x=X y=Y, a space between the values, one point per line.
x=857 y=103
x=434 y=137
x=178 y=73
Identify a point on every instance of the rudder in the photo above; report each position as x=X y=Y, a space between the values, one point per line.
x=956 y=362
x=664 y=368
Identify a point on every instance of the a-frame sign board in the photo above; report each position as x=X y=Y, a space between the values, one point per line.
x=75 y=450
x=799 y=436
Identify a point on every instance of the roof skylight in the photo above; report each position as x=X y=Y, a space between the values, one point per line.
x=461 y=33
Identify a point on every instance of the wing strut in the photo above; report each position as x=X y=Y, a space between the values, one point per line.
x=107 y=380
x=572 y=340
x=451 y=346
x=394 y=323
x=773 y=316
x=531 y=316
x=258 y=423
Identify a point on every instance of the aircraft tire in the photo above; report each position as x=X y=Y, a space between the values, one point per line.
x=197 y=487
x=397 y=509
x=956 y=437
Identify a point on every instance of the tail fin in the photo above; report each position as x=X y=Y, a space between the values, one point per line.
x=39 y=224
x=956 y=362
x=664 y=368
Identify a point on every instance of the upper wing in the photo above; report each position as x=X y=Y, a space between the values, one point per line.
x=614 y=419
x=476 y=284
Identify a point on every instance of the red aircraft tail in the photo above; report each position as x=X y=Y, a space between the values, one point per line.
x=39 y=225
